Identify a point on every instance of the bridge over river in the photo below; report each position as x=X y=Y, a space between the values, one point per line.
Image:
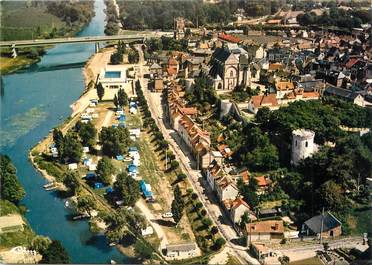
x=94 y=39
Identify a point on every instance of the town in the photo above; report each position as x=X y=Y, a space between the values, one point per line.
x=249 y=144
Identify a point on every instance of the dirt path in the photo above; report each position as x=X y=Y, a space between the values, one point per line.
x=150 y=217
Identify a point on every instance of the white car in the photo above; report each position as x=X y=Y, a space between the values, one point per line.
x=167 y=215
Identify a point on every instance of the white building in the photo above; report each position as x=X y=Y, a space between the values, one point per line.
x=181 y=251
x=112 y=78
x=302 y=145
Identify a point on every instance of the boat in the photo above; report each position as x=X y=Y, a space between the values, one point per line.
x=112 y=261
x=48 y=185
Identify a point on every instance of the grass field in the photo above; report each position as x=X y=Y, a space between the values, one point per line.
x=21 y=22
x=12 y=239
x=8 y=65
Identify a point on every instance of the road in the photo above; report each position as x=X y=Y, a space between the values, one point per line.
x=43 y=42
x=226 y=230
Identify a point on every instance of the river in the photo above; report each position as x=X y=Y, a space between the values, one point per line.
x=32 y=102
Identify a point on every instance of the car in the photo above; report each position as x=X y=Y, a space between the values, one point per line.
x=167 y=215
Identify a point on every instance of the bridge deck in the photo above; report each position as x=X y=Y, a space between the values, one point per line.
x=41 y=42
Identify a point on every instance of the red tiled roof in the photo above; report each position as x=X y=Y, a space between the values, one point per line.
x=270 y=226
x=262 y=101
x=311 y=95
x=262 y=181
x=229 y=38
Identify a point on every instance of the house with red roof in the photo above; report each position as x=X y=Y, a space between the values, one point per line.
x=260 y=101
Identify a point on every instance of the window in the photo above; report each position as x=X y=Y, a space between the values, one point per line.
x=296 y=143
x=231 y=73
x=306 y=144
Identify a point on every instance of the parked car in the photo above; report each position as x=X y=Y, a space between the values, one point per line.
x=167 y=215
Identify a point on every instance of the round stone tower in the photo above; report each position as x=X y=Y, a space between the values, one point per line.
x=302 y=145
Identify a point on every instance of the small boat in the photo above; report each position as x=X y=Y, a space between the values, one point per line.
x=112 y=244
x=48 y=185
x=51 y=188
x=112 y=261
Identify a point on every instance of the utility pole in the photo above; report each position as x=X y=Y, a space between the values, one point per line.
x=166 y=158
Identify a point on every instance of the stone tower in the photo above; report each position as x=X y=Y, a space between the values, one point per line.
x=302 y=145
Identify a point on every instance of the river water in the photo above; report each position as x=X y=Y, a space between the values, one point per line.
x=32 y=102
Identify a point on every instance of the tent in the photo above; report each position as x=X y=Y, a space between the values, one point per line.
x=122 y=118
x=132 y=149
x=119 y=157
x=132 y=168
x=109 y=190
x=98 y=185
x=90 y=175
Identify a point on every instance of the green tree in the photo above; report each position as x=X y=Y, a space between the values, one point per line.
x=178 y=196
x=85 y=204
x=100 y=91
x=71 y=181
x=143 y=250
x=207 y=222
x=331 y=196
x=105 y=170
x=181 y=177
x=55 y=254
x=127 y=188
x=58 y=139
x=11 y=189
x=177 y=211
x=116 y=101
x=122 y=98
x=72 y=148
x=87 y=133
x=214 y=230
x=219 y=243
x=284 y=260
x=40 y=243
x=174 y=164
x=115 y=141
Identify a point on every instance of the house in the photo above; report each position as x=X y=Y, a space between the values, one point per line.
x=158 y=85
x=226 y=189
x=327 y=225
x=260 y=101
x=261 y=252
x=237 y=208
x=264 y=231
x=283 y=87
x=181 y=251
x=172 y=68
x=146 y=189
x=263 y=182
x=225 y=151
x=345 y=94
x=156 y=70
x=112 y=78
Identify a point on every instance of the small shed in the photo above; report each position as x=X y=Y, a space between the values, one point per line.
x=98 y=185
x=132 y=168
x=72 y=166
x=119 y=157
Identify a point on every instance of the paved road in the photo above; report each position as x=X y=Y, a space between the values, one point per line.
x=193 y=175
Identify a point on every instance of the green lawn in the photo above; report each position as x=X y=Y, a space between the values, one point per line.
x=21 y=22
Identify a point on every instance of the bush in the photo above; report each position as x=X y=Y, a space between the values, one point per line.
x=219 y=243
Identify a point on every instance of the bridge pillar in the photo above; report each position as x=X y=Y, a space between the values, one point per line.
x=14 y=52
x=96 y=47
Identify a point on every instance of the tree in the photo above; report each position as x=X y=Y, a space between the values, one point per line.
x=11 y=188
x=244 y=220
x=203 y=212
x=116 y=101
x=177 y=211
x=284 y=260
x=181 y=177
x=214 y=230
x=174 y=164
x=122 y=98
x=178 y=196
x=100 y=91
x=127 y=188
x=249 y=192
x=71 y=181
x=105 y=170
x=72 y=148
x=55 y=254
x=207 y=222
x=87 y=133
x=40 y=243
x=143 y=250
x=219 y=243
x=331 y=196
x=58 y=139
x=116 y=58
x=198 y=206
x=115 y=141
x=85 y=204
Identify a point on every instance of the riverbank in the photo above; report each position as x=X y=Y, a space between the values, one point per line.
x=10 y=65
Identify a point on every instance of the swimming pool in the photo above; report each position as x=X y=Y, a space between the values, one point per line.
x=112 y=74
